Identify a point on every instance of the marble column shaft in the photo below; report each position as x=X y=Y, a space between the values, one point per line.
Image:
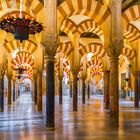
x=71 y=89
x=106 y=89
x=1 y=94
x=50 y=95
x=9 y=90
x=39 y=91
x=116 y=45
x=60 y=90
x=114 y=91
x=137 y=88
x=75 y=92
x=35 y=90
x=88 y=90
x=14 y=90
x=83 y=90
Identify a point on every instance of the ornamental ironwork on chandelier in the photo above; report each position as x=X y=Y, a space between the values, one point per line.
x=20 y=70
x=19 y=76
x=20 y=27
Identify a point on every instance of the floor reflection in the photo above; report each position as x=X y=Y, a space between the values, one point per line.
x=21 y=121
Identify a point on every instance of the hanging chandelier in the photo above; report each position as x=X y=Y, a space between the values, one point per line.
x=20 y=27
x=19 y=76
x=20 y=70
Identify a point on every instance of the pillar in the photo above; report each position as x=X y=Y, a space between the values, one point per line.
x=114 y=91
x=9 y=90
x=83 y=90
x=50 y=43
x=60 y=90
x=71 y=88
x=75 y=92
x=88 y=89
x=39 y=91
x=1 y=93
x=106 y=89
x=18 y=89
x=114 y=51
x=50 y=94
x=35 y=89
x=14 y=90
x=137 y=88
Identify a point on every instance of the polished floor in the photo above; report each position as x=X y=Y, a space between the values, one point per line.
x=21 y=121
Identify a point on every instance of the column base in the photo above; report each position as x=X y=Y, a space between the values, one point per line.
x=114 y=119
x=74 y=109
x=39 y=110
x=136 y=105
x=50 y=128
x=106 y=106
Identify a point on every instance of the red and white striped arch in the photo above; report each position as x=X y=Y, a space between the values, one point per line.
x=129 y=15
x=95 y=48
x=65 y=48
x=27 y=45
x=22 y=58
x=33 y=9
x=95 y=62
x=68 y=26
x=96 y=71
x=131 y=33
x=129 y=53
x=91 y=8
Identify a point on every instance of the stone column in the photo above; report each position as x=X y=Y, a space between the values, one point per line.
x=14 y=90
x=18 y=89
x=39 y=91
x=137 y=88
x=75 y=92
x=83 y=90
x=106 y=89
x=115 y=49
x=35 y=89
x=1 y=93
x=114 y=90
x=60 y=90
x=51 y=46
x=50 y=93
x=71 y=88
x=9 y=90
x=88 y=89
x=50 y=43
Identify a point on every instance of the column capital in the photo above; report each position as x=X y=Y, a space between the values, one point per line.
x=70 y=81
x=9 y=77
x=83 y=78
x=136 y=71
x=39 y=71
x=2 y=74
x=14 y=79
x=106 y=72
x=113 y=51
x=75 y=70
x=50 y=45
x=60 y=77
x=35 y=76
